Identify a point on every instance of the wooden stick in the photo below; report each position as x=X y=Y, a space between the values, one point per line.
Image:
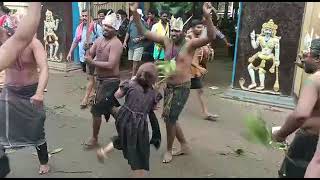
x=276 y=84
x=188 y=20
x=72 y=172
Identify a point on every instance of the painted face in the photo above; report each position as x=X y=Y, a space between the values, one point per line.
x=197 y=30
x=176 y=35
x=49 y=18
x=100 y=17
x=310 y=62
x=108 y=31
x=268 y=32
x=84 y=17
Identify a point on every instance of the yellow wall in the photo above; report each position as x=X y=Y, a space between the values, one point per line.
x=311 y=27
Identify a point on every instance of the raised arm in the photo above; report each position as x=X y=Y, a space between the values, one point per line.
x=142 y=29
x=211 y=30
x=27 y=28
x=254 y=41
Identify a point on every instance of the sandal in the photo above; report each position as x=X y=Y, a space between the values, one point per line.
x=83 y=106
x=211 y=117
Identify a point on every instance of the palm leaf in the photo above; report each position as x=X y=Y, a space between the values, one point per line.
x=259 y=132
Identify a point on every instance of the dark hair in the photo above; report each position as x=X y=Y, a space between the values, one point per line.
x=104 y=11
x=195 y=22
x=152 y=11
x=122 y=12
x=164 y=12
x=5 y=9
x=144 y=81
x=146 y=76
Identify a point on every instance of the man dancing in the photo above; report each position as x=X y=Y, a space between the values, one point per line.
x=178 y=85
x=19 y=46
x=306 y=116
x=107 y=51
x=198 y=68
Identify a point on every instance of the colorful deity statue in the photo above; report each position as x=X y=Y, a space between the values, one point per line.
x=268 y=41
x=50 y=38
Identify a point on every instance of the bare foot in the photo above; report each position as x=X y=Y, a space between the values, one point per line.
x=260 y=88
x=101 y=155
x=167 y=157
x=185 y=149
x=92 y=143
x=44 y=169
x=253 y=85
x=84 y=104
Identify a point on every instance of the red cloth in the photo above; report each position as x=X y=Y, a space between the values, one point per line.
x=80 y=30
x=3 y=20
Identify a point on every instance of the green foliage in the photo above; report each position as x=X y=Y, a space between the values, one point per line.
x=175 y=8
x=257 y=130
x=166 y=68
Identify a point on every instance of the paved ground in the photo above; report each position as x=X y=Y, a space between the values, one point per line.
x=213 y=143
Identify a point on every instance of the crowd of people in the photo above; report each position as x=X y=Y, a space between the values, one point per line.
x=102 y=44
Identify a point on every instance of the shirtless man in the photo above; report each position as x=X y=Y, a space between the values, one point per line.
x=306 y=116
x=107 y=51
x=13 y=47
x=9 y=51
x=198 y=69
x=178 y=85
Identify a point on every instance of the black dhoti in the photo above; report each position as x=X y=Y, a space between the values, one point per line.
x=21 y=123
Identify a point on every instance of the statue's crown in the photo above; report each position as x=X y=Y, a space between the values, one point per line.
x=270 y=25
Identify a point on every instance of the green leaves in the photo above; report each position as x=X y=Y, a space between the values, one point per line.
x=166 y=68
x=257 y=130
x=175 y=8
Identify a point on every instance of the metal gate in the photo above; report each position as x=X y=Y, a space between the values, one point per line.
x=115 y=6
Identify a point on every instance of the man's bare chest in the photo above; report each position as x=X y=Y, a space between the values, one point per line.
x=25 y=60
x=103 y=51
